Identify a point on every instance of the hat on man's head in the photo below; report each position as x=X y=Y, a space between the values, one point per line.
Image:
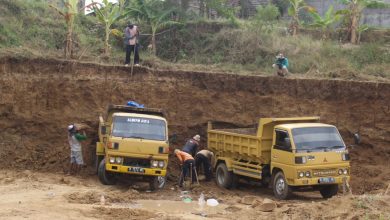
x=197 y=137
x=71 y=127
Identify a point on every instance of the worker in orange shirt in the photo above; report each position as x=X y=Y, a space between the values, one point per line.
x=187 y=163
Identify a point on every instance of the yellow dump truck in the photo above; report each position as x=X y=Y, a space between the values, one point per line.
x=284 y=153
x=132 y=141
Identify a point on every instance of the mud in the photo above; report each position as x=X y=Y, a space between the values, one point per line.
x=39 y=98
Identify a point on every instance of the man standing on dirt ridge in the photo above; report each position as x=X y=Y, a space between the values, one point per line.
x=192 y=145
x=76 y=155
x=131 y=34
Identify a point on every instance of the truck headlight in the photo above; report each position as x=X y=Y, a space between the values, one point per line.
x=307 y=174
x=118 y=160
x=345 y=171
x=161 y=164
x=154 y=163
x=340 y=171
x=301 y=174
x=112 y=159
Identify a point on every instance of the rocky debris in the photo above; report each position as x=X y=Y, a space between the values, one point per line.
x=250 y=200
x=266 y=206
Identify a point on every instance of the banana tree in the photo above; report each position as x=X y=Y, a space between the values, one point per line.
x=107 y=14
x=354 y=13
x=326 y=21
x=295 y=7
x=154 y=14
x=68 y=12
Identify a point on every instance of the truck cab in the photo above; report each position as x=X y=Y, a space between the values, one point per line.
x=133 y=141
x=308 y=154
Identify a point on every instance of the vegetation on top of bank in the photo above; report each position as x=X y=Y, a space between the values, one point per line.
x=315 y=48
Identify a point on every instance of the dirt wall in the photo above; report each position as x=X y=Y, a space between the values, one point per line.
x=39 y=98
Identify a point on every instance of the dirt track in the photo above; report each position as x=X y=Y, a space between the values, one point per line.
x=35 y=195
x=39 y=98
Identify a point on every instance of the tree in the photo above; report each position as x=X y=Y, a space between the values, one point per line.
x=354 y=14
x=154 y=14
x=108 y=14
x=295 y=7
x=265 y=18
x=326 y=21
x=69 y=12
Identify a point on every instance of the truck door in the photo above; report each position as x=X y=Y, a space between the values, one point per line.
x=282 y=156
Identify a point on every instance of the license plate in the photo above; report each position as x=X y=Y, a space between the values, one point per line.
x=136 y=170
x=326 y=180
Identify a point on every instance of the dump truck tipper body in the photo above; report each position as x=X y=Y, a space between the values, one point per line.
x=133 y=141
x=287 y=153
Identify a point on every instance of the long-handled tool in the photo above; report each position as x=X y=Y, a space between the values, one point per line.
x=196 y=175
x=132 y=63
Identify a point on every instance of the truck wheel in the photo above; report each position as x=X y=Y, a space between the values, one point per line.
x=105 y=177
x=157 y=182
x=329 y=191
x=98 y=159
x=280 y=187
x=223 y=177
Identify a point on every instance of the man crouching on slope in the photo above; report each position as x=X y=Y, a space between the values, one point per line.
x=76 y=155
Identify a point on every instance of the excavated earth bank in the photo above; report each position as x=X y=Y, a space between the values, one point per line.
x=39 y=98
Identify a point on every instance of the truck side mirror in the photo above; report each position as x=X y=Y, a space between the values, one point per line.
x=356 y=138
x=173 y=138
x=103 y=130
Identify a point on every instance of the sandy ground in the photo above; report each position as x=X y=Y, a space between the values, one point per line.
x=32 y=195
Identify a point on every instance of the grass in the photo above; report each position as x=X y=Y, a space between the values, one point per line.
x=31 y=28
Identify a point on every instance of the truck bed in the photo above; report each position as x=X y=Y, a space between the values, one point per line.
x=246 y=131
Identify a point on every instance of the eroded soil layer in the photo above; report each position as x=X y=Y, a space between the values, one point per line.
x=39 y=98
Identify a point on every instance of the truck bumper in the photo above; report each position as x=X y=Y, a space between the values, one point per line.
x=136 y=170
x=316 y=181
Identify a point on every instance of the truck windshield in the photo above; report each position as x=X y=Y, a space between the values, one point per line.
x=317 y=138
x=138 y=127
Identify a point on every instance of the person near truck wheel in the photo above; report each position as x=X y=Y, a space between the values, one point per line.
x=281 y=65
x=76 y=155
x=187 y=162
x=192 y=145
x=205 y=158
x=131 y=34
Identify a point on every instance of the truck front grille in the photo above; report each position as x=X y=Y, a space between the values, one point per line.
x=325 y=172
x=136 y=162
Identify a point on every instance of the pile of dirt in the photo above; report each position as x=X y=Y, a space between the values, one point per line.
x=39 y=98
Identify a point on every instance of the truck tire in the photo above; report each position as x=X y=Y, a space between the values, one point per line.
x=329 y=191
x=280 y=187
x=98 y=159
x=223 y=177
x=105 y=177
x=157 y=182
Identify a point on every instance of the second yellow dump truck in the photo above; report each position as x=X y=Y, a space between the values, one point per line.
x=133 y=141
x=284 y=153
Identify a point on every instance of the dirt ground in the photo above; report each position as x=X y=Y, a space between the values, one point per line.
x=35 y=195
x=39 y=98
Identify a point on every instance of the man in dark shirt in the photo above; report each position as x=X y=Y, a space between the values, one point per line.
x=192 y=145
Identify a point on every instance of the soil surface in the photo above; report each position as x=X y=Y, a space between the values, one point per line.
x=39 y=98
x=34 y=195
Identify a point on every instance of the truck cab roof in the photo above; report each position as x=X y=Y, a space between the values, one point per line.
x=125 y=114
x=302 y=125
